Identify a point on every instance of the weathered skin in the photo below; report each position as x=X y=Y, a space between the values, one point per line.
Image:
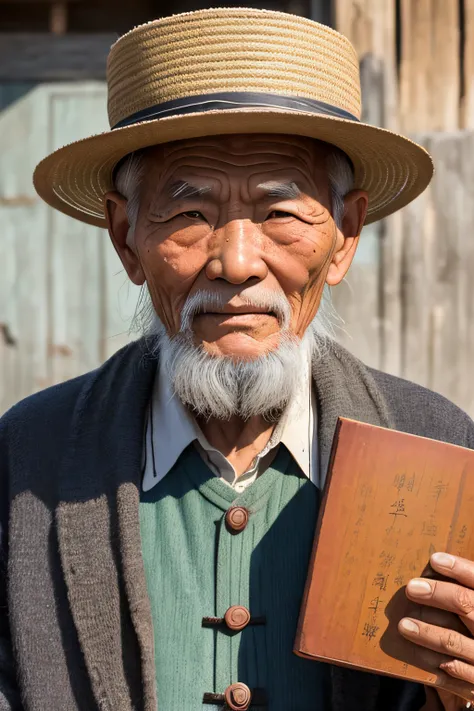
x=235 y=236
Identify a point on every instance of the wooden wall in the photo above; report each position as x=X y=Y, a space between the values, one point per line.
x=416 y=311
x=66 y=304
x=409 y=304
x=422 y=52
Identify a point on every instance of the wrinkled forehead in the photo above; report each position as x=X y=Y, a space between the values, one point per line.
x=240 y=154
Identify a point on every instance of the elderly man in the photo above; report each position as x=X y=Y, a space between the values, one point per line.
x=158 y=513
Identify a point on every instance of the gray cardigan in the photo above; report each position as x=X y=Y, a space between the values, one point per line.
x=75 y=622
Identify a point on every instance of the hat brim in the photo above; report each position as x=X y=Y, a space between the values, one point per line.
x=391 y=168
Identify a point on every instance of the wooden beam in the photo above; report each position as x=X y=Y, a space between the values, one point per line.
x=49 y=57
x=35 y=2
x=58 y=18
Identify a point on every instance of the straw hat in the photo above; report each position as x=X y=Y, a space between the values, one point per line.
x=225 y=71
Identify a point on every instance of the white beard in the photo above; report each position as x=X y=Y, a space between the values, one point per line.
x=222 y=387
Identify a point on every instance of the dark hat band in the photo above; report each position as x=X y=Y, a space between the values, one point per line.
x=234 y=100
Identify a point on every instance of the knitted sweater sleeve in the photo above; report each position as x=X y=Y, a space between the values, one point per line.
x=422 y=412
x=9 y=690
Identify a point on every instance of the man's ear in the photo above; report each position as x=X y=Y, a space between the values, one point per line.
x=355 y=210
x=118 y=225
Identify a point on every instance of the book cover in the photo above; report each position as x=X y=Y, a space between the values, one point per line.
x=391 y=499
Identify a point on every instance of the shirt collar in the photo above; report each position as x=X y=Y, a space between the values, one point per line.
x=171 y=428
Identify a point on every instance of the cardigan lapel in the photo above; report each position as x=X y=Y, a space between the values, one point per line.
x=99 y=536
x=345 y=388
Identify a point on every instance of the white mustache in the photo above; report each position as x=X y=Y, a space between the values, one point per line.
x=204 y=301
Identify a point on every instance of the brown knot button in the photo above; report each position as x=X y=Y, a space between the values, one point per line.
x=236 y=519
x=238 y=697
x=237 y=617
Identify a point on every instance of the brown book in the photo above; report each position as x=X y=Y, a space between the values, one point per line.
x=391 y=499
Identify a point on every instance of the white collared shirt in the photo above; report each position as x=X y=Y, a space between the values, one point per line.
x=171 y=428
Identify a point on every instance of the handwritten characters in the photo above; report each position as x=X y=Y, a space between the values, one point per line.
x=430 y=527
x=375 y=604
x=380 y=581
x=394 y=566
x=387 y=559
x=370 y=630
x=371 y=627
x=401 y=481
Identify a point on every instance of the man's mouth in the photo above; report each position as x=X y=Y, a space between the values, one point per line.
x=238 y=315
x=215 y=311
x=243 y=309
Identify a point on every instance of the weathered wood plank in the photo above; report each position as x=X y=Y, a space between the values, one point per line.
x=417 y=276
x=467 y=106
x=354 y=21
x=8 y=322
x=429 y=66
x=48 y=57
x=465 y=221
x=30 y=245
x=76 y=291
x=415 y=63
x=120 y=301
x=445 y=71
x=445 y=245
x=370 y=25
x=390 y=274
x=356 y=301
x=437 y=263
x=23 y=285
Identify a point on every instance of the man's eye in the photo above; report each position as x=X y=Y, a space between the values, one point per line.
x=193 y=215
x=275 y=214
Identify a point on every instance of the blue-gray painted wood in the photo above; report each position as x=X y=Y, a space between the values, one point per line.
x=11 y=91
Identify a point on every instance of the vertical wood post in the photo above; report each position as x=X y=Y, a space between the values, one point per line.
x=373 y=310
x=467 y=107
x=430 y=65
x=58 y=18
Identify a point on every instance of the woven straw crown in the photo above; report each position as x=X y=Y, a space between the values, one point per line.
x=228 y=71
x=212 y=51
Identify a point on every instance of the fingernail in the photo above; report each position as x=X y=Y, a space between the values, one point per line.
x=419 y=587
x=443 y=559
x=410 y=626
x=445 y=665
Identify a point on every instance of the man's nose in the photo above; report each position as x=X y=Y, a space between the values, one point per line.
x=238 y=256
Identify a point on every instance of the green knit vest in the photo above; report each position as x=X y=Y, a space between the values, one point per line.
x=195 y=567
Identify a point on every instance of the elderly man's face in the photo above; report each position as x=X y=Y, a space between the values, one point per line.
x=233 y=213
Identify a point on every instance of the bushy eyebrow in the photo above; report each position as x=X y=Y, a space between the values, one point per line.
x=183 y=190
x=285 y=191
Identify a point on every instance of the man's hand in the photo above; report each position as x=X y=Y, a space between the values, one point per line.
x=449 y=634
